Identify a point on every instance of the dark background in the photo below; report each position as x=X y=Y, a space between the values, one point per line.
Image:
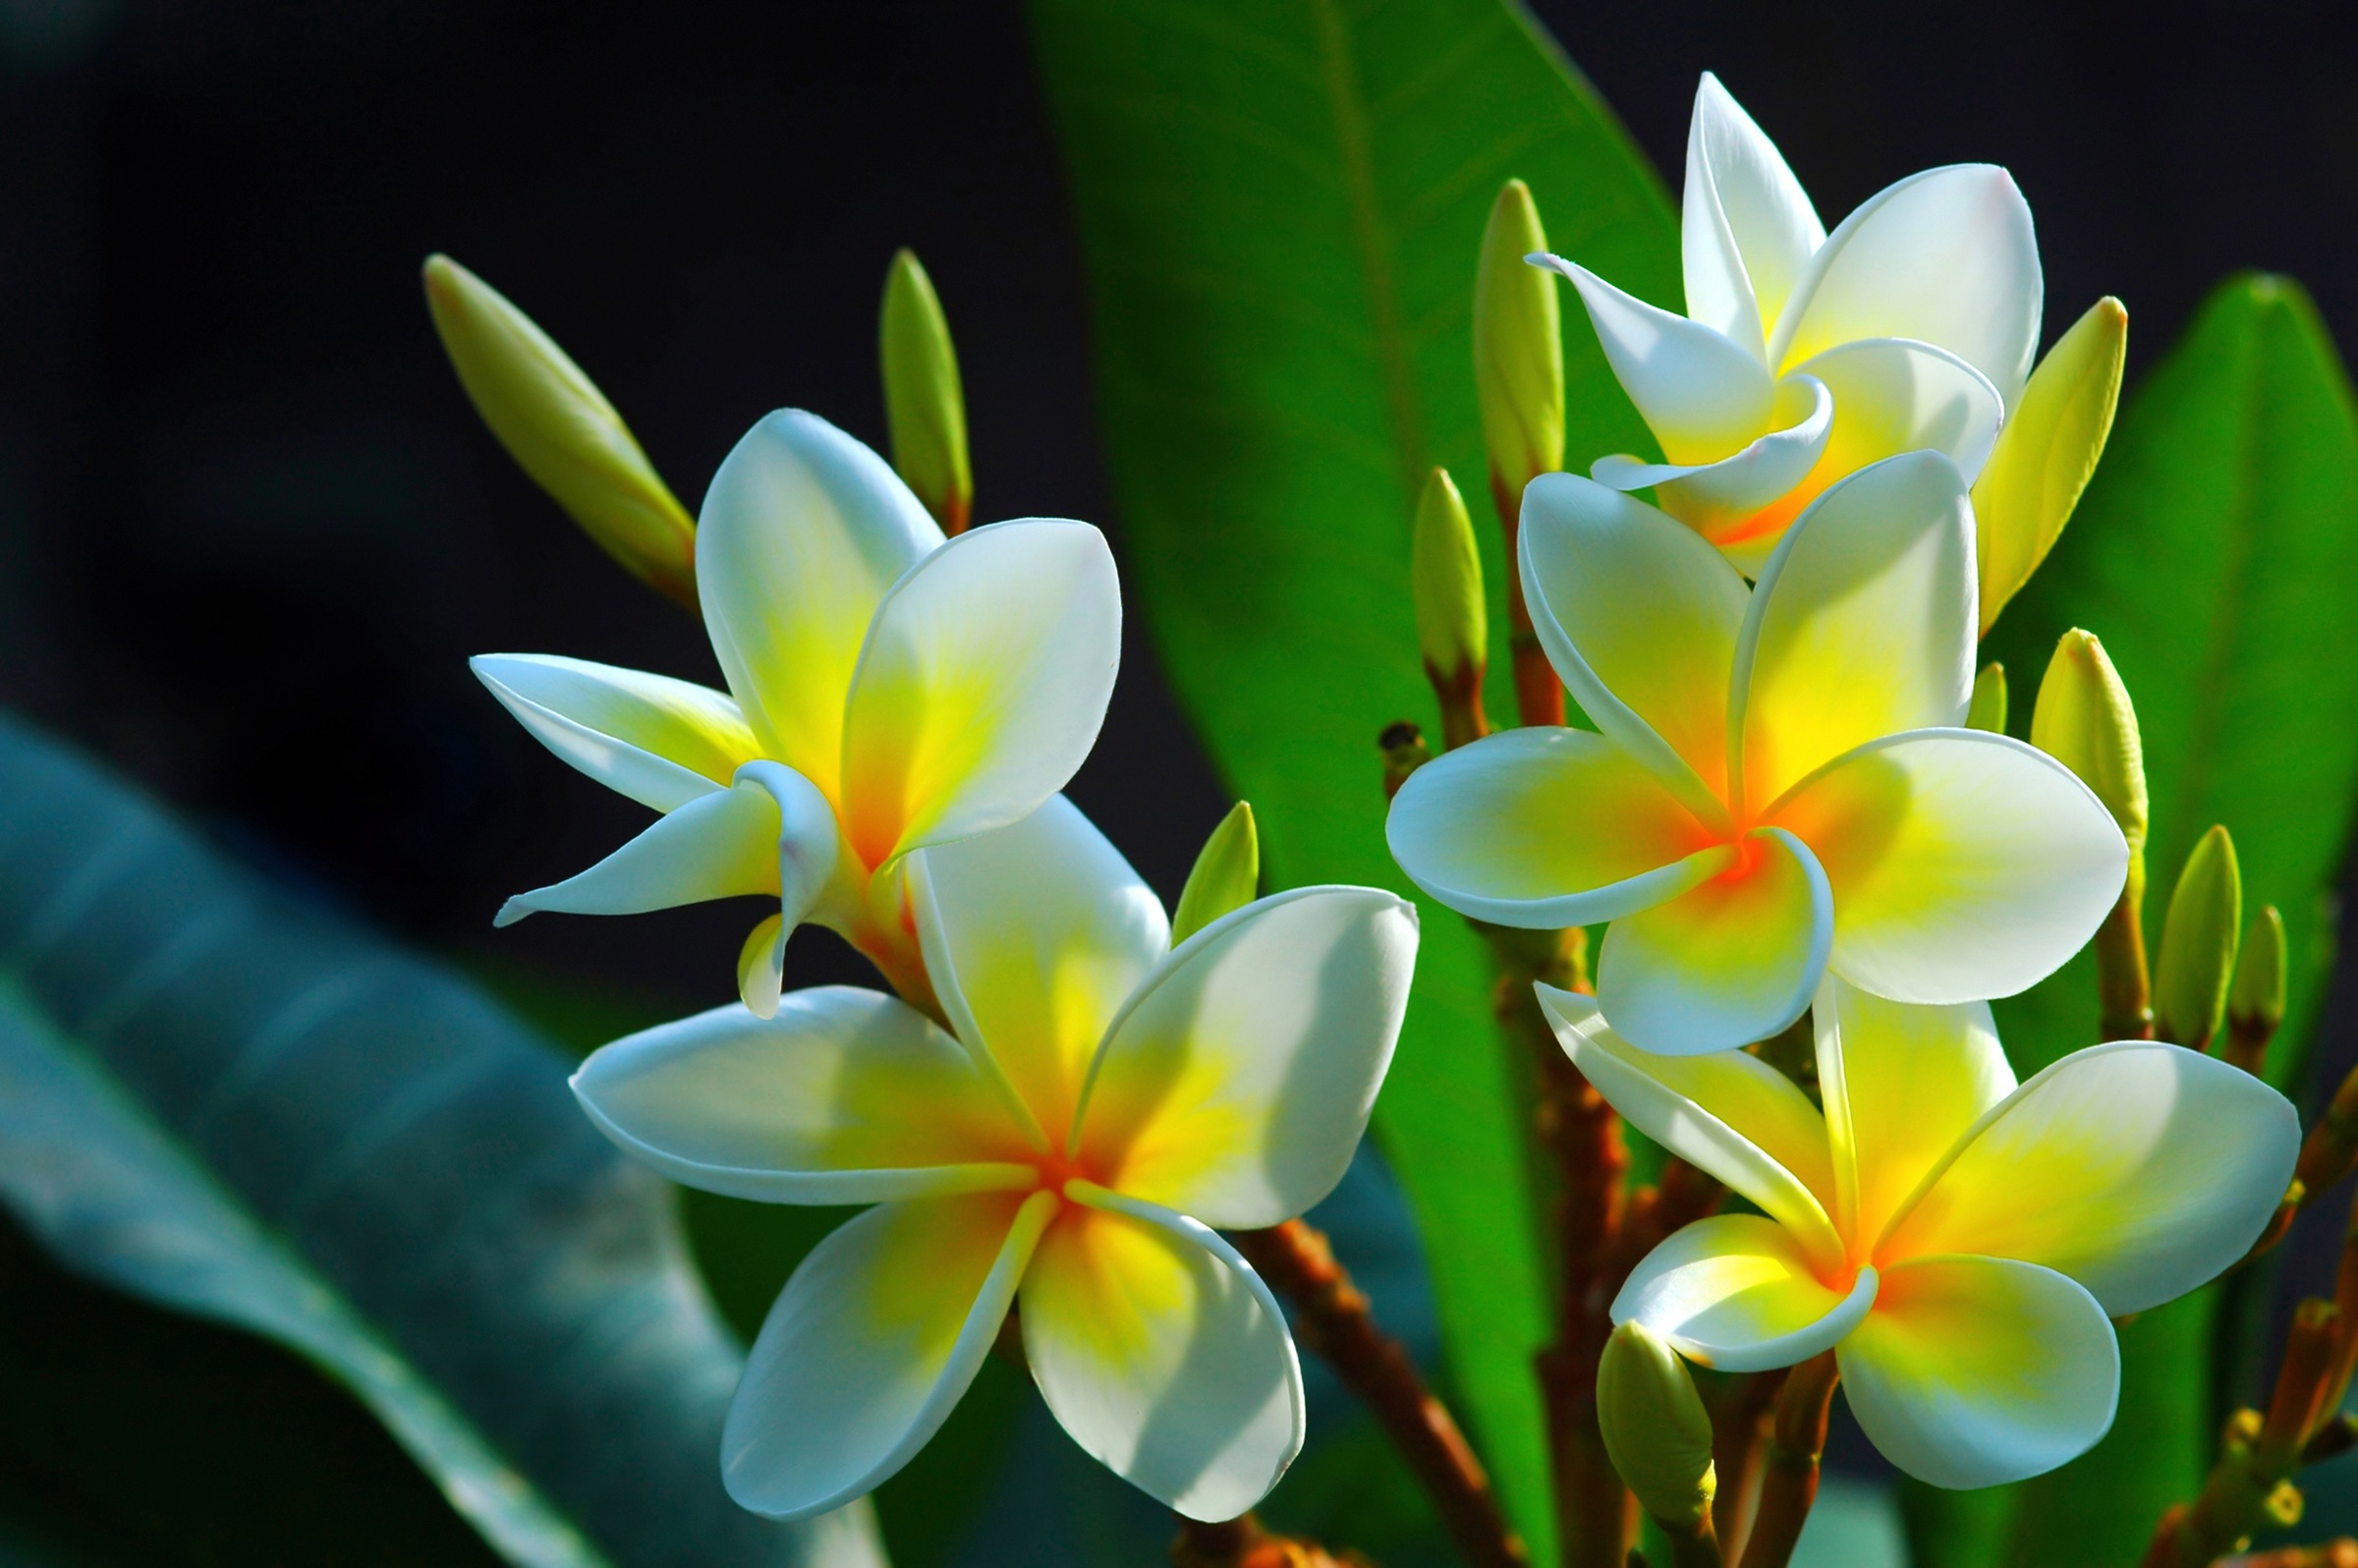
x=249 y=528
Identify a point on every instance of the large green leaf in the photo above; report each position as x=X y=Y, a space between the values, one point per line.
x=2214 y=554
x=244 y=1109
x=1279 y=207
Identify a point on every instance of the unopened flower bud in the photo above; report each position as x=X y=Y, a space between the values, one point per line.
x=924 y=403
x=2197 y=944
x=2047 y=452
x=1654 y=1426
x=1226 y=875
x=1452 y=625
x=1518 y=347
x=2256 y=996
x=561 y=431
x=2085 y=720
x=1988 y=710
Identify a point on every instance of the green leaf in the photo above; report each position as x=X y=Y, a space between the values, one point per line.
x=2214 y=554
x=1280 y=208
x=232 y=1104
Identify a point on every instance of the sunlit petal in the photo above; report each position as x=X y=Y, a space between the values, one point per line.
x=1732 y=959
x=1893 y=395
x=1238 y=1083
x=715 y=846
x=1735 y=1292
x=1747 y=229
x=870 y=1345
x=2138 y=1168
x=1702 y=393
x=802 y=531
x=1964 y=864
x=1545 y=827
x=1720 y=500
x=1163 y=1355
x=659 y=741
x=1975 y=1371
x=1033 y=936
x=981 y=686
x=844 y=1096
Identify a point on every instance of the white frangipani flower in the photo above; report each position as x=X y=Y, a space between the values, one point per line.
x=1804 y=356
x=887 y=690
x=1105 y=1101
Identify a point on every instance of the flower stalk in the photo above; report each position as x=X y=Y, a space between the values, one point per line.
x=1242 y=1543
x=1740 y=1431
x=1796 y=1445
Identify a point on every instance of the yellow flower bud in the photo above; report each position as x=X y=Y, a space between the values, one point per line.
x=561 y=431
x=1988 y=710
x=2197 y=944
x=2084 y=719
x=2047 y=452
x=1226 y=875
x=1518 y=347
x=2256 y=996
x=1452 y=625
x=922 y=400
x=1654 y=1426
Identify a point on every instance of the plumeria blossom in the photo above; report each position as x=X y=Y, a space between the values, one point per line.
x=1778 y=785
x=1960 y=1241
x=887 y=690
x=1805 y=356
x=1105 y=1101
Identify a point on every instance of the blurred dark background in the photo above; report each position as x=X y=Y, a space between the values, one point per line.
x=249 y=528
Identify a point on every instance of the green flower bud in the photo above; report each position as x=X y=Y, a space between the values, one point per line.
x=560 y=429
x=1226 y=876
x=2047 y=452
x=1518 y=347
x=1988 y=710
x=2256 y=996
x=2197 y=944
x=922 y=400
x=2085 y=720
x=1452 y=625
x=1654 y=1426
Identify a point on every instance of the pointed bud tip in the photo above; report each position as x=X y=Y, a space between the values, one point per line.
x=1518 y=343
x=1445 y=575
x=1654 y=1426
x=2199 y=943
x=925 y=401
x=2084 y=719
x=2256 y=996
x=1988 y=710
x=1227 y=875
x=2047 y=452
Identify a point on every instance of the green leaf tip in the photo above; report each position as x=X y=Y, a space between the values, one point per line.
x=1518 y=345
x=1226 y=876
x=924 y=405
x=1452 y=624
x=2199 y=943
x=1988 y=710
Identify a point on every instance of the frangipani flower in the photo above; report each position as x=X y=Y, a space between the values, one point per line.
x=887 y=690
x=1960 y=1243
x=1105 y=1101
x=1779 y=786
x=1805 y=356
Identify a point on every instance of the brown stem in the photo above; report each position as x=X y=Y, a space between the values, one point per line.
x=1243 y=1543
x=1539 y=695
x=2328 y=1155
x=1796 y=1443
x=2342 y=1554
x=1739 y=1443
x=1696 y=1547
x=2124 y=986
x=1460 y=696
x=1332 y=1318
x=2245 y=1044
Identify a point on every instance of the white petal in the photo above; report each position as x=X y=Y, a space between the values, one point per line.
x=1747 y=229
x=1035 y=936
x=1735 y=1292
x=1732 y=959
x=870 y=1345
x=1640 y=618
x=716 y=846
x=1720 y=499
x=1728 y=1113
x=2140 y=1169
x=1892 y=394
x=1702 y=393
x=1975 y=1371
x=803 y=530
x=1238 y=1082
x=844 y=1096
x=981 y=685
x=659 y=741
x=1946 y=257
x=1964 y=864
x=1163 y=1355
x=1543 y=828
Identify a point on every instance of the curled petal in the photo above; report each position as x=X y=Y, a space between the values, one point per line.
x=844 y=1096
x=659 y=741
x=1735 y=1292
x=1702 y=393
x=1733 y=958
x=1723 y=500
x=1975 y=1371
x=1163 y=1355
x=1746 y=228
x=2138 y=1168
x=803 y=530
x=1237 y=1083
x=1963 y=864
x=1545 y=827
x=1892 y=394
x=870 y=1345
x=716 y=846
x=981 y=686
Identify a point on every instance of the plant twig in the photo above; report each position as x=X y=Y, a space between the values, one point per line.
x=1333 y=1320
x=1796 y=1444
x=1739 y=1443
x=1243 y=1543
x=2328 y=1155
x=2342 y=1554
x=2124 y=987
